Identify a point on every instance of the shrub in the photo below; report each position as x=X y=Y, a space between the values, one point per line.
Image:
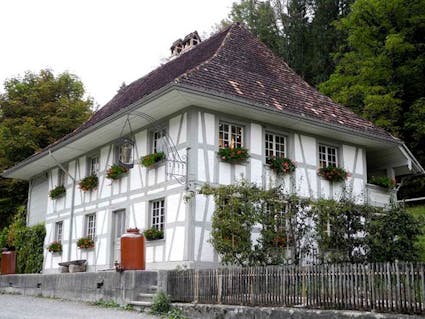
x=55 y=247
x=57 y=192
x=89 y=183
x=153 y=233
x=233 y=155
x=116 y=172
x=383 y=181
x=161 y=303
x=332 y=173
x=150 y=159
x=175 y=314
x=85 y=243
x=281 y=165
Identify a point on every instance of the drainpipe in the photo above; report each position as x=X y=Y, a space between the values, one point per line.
x=72 y=202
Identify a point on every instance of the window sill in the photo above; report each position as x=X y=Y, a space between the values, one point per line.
x=156 y=165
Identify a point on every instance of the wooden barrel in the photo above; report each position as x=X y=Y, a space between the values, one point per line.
x=133 y=250
x=8 y=262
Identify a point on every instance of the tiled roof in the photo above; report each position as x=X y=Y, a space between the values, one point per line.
x=236 y=63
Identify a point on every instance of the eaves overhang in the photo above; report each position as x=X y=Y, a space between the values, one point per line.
x=174 y=97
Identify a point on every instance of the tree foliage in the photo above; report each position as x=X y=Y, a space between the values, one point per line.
x=381 y=76
x=35 y=111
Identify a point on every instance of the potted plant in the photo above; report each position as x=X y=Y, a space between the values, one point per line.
x=151 y=159
x=382 y=181
x=233 y=155
x=281 y=165
x=333 y=174
x=57 y=192
x=85 y=243
x=116 y=172
x=89 y=183
x=55 y=247
x=153 y=233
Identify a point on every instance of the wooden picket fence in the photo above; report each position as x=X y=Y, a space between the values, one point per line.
x=381 y=287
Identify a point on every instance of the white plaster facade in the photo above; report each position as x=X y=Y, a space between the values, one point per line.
x=187 y=224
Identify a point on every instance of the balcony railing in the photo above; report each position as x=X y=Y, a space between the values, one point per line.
x=377 y=195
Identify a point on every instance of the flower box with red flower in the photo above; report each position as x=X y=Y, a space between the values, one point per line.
x=233 y=155
x=281 y=165
x=333 y=173
x=116 y=172
x=85 y=243
x=89 y=183
x=55 y=247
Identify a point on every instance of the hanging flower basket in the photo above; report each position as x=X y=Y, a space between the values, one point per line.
x=382 y=181
x=116 y=172
x=281 y=165
x=153 y=234
x=57 y=192
x=85 y=243
x=333 y=174
x=151 y=159
x=233 y=155
x=89 y=183
x=55 y=247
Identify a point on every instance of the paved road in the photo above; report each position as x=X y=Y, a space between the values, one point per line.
x=23 y=307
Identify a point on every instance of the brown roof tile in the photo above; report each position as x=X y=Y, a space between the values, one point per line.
x=236 y=63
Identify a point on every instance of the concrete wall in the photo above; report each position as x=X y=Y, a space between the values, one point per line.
x=242 y=312
x=119 y=287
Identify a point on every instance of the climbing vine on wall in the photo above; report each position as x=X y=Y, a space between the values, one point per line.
x=252 y=226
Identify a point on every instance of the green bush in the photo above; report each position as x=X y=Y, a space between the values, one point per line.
x=28 y=243
x=161 y=303
x=152 y=159
x=175 y=314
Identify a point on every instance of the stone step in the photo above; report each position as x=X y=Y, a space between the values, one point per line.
x=144 y=296
x=140 y=305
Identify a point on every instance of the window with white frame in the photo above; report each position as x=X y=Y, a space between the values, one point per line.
x=58 y=231
x=230 y=135
x=158 y=214
x=158 y=141
x=91 y=226
x=275 y=145
x=328 y=156
x=280 y=217
x=94 y=165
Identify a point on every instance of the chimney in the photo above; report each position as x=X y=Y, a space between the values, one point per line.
x=180 y=46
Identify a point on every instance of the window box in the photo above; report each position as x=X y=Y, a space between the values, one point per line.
x=233 y=155
x=281 y=165
x=116 y=172
x=151 y=159
x=153 y=234
x=57 y=192
x=85 y=243
x=89 y=183
x=333 y=174
x=55 y=247
x=382 y=181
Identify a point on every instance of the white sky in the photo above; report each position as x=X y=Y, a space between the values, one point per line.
x=103 y=42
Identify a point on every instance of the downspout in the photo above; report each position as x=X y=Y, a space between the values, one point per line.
x=72 y=203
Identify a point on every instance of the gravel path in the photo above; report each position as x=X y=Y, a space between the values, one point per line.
x=25 y=307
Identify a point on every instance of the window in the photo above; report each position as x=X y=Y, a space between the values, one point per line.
x=158 y=141
x=328 y=156
x=61 y=177
x=91 y=226
x=275 y=145
x=230 y=135
x=58 y=231
x=158 y=214
x=94 y=165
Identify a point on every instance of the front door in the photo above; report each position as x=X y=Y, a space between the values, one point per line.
x=118 y=228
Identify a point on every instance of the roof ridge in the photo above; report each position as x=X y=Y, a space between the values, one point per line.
x=228 y=30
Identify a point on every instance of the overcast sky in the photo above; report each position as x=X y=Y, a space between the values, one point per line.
x=103 y=42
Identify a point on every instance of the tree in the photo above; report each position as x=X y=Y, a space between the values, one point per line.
x=382 y=75
x=35 y=111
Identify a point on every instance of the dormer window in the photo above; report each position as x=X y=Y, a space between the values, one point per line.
x=125 y=152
